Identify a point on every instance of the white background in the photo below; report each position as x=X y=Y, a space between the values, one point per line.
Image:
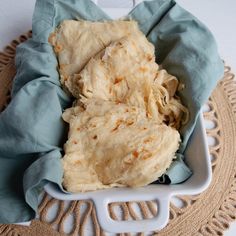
x=218 y=15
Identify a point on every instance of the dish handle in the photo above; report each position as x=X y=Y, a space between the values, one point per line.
x=134 y=2
x=117 y=226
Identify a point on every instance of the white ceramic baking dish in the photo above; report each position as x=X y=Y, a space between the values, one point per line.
x=196 y=156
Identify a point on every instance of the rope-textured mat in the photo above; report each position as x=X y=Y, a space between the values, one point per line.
x=206 y=214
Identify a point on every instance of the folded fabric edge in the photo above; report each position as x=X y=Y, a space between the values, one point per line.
x=36 y=178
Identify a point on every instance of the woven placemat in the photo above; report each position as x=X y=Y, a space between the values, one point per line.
x=206 y=214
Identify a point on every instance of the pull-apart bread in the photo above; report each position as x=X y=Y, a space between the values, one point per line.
x=123 y=126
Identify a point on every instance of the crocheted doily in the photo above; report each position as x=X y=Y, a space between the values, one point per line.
x=205 y=214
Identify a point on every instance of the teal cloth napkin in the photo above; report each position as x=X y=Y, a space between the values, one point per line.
x=32 y=132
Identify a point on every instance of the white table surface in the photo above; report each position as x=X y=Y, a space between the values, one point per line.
x=218 y=15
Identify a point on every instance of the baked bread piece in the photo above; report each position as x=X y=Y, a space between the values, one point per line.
x=76 y=42
x=126 y=72
x=113 y=144
x=125 y=65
